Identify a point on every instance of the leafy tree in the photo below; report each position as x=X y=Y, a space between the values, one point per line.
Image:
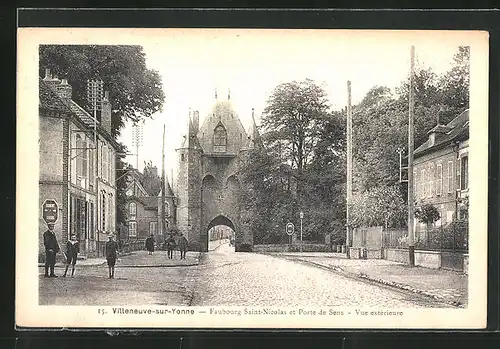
x=291 y=121
x=135 y=91
x=427 y=214
x=151 y=181
x=379 y=206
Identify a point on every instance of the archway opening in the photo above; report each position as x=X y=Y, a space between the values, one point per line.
x=221 y=234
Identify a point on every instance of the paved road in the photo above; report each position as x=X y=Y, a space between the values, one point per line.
x=131 y=286
x=246 y=279
x=223 y=278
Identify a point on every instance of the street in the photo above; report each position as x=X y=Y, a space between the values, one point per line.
x=223 y=278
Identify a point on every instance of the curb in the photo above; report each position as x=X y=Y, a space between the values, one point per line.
x=381 y=281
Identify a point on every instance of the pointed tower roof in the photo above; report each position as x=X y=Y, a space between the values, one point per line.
x=223 y=114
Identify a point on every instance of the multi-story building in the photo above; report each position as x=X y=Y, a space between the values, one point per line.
x=441 y=170
x=77 y=166
x=144 y=205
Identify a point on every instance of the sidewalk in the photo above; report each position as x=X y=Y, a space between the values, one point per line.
x=443 y=285
x=141 y=259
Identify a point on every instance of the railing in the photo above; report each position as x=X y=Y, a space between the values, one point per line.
x=451 y=237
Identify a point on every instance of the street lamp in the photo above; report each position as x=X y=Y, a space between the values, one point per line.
x=301 y=218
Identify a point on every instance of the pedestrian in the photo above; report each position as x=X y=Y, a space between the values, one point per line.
x=183 y=246
x=150 y=244
x=111 y=248
x=51 y=248
x=170 y=246
x=72 y=250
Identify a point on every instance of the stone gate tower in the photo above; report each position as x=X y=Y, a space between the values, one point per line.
x=207 y=181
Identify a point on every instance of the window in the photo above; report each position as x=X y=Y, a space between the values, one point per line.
x=439 y=180
x=152 y=228
x=132 y=229
x=105 y=162
x=92 y=230
x=182 y=157
x=464 y=173
x=459 y=174
x=91 y=167
x=431 y=180
x=110 y=166
x=220 y=139
x=84 y=159
x=422 y=182
x=78 y=156
x=450 y=176
x=103 y=211
x=132 y=210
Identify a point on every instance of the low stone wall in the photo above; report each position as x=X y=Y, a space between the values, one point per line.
x=428 y=259
x=423 y=258
x=395 y=254
x=292 y=248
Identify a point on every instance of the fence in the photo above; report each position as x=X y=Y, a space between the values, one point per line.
x=451 y=237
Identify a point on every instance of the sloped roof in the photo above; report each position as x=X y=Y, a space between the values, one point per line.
x=223 y=113
x=49 y=100
x=458 y=131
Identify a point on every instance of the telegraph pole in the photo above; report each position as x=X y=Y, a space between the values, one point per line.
x=411 y=203
x=349 y=168
x=163 y=185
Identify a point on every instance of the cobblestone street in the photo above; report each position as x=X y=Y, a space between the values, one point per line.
x=222 y=278
x=139 y=279
x=246 y=279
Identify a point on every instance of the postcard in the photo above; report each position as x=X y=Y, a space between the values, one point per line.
x=251 y=178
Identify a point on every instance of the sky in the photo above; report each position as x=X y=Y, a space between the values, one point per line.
x=251 y=64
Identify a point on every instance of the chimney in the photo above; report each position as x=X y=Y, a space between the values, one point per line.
x=51 y=81
x=106 y=113
x=64 y=90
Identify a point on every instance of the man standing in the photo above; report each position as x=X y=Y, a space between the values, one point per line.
x=183 y=246
x=150 y=244
x=111 y=248
x=170 y=244
x=51 y=248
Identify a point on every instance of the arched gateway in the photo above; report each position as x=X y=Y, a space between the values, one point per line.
x=208 y=186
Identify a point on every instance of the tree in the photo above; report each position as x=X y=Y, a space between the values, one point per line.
x=379 y=206
x=135 y=91
x=151 y=181
x=291 y=121
x=427 y=214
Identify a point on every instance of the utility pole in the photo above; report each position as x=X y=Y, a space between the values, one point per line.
x=411 y=203
x=349 y=169
x=163 y=185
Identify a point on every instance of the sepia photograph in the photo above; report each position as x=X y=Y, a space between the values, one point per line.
x=251 y=178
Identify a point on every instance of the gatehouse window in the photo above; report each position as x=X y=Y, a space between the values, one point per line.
x=132 y=209
x=220 y=139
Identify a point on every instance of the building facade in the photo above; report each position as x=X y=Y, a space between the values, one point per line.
x=77 y=166
x=207 y=181
x=144 y=205
x=441 y=170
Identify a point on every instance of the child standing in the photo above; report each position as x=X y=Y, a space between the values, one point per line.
x=72 y=250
